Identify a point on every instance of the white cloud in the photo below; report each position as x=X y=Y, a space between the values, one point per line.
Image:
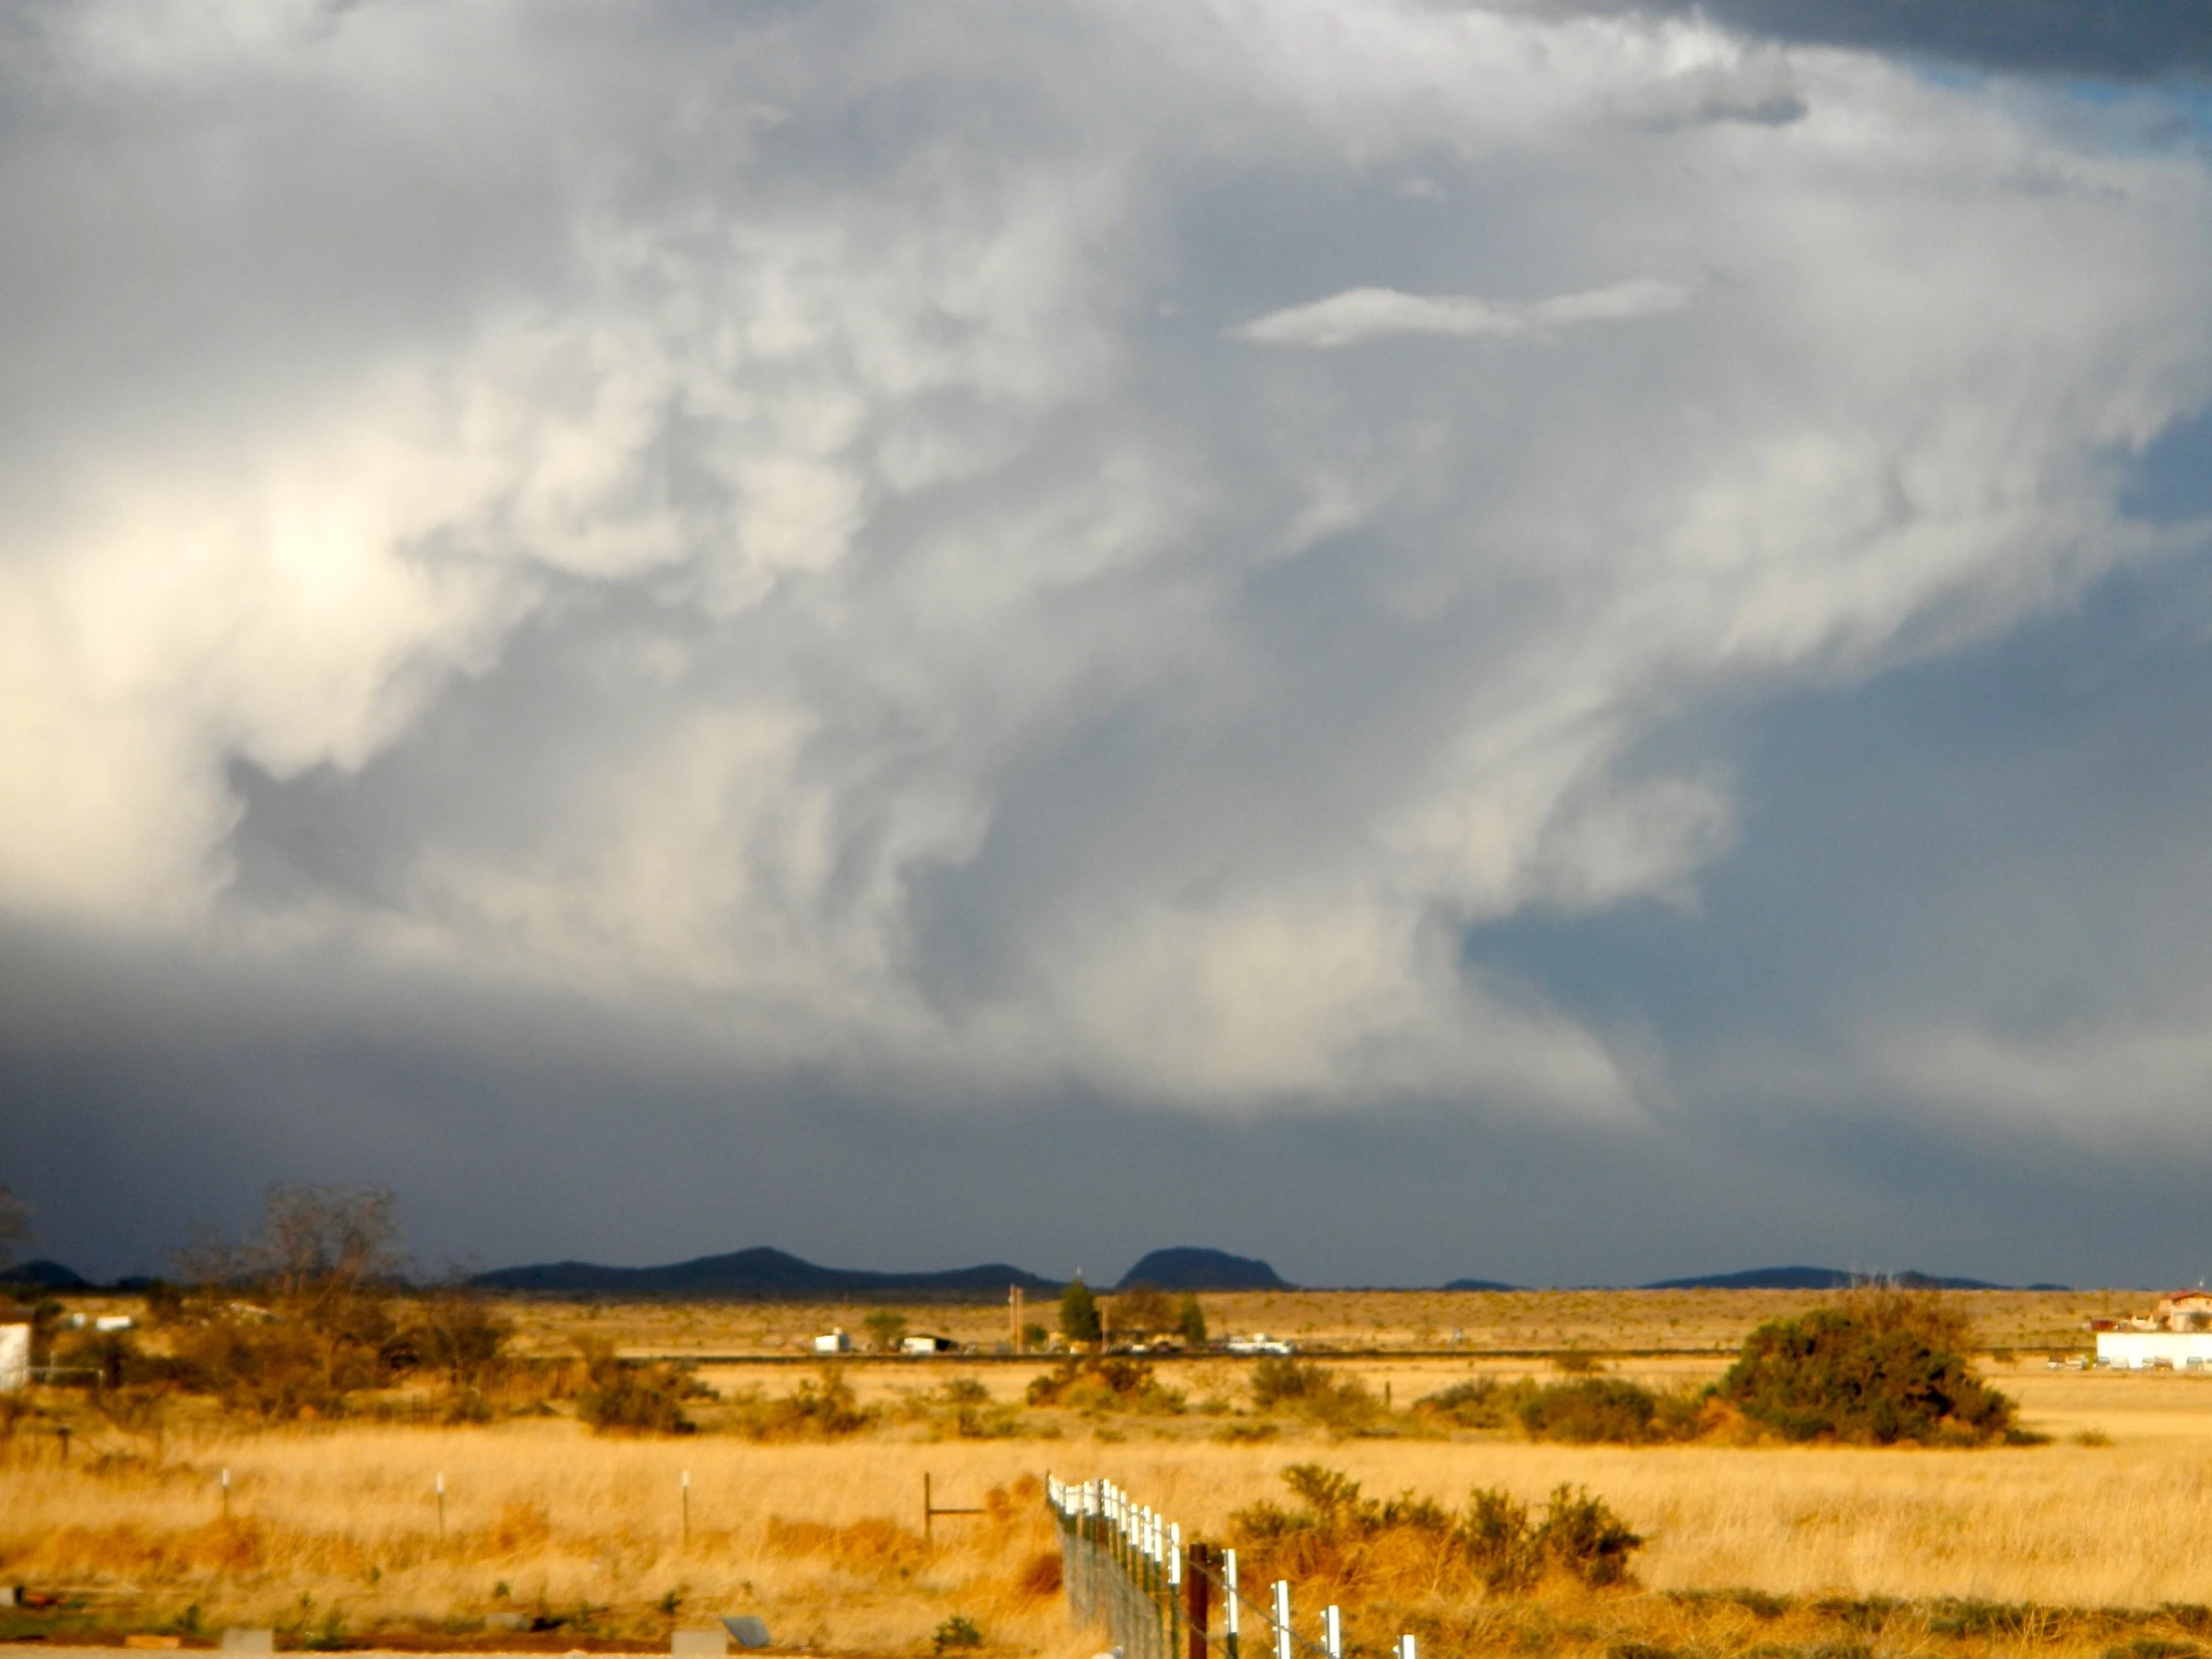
x=1360 y=315
x=753 y=532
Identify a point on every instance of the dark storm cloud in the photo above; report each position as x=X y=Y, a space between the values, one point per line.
x=2129 y=40
x=1026 y=630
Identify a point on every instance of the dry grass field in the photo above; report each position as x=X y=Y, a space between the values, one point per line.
x=1508 y=1322
x=333 y=1529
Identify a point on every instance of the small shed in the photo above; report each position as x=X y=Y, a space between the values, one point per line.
x=927 y=1345
x=837 y=1342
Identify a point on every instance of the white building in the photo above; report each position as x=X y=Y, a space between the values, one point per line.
x=2146 y=1349
x=927 y=1345
x=15 y=1356
x=2177 y=1333
x=837 y=1342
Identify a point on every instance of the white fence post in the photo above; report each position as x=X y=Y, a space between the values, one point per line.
x=1332 y=1632
x=1282 y=1618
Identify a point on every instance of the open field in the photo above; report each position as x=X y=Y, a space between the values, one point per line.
x=334 y=1528
x=1511 y=1322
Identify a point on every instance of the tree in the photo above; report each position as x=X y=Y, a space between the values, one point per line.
x=1189 y=1321
x=15 y=1225
x=885 y=1329
x=1143 y=1311
x=1079 y=1313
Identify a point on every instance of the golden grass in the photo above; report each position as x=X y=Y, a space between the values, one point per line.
x=1521 y=1322
x=340 y=1520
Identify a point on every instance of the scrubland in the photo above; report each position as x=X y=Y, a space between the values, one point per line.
x=2097 y=1543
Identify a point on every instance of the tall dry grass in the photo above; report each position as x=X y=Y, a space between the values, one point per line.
x=347 y=1514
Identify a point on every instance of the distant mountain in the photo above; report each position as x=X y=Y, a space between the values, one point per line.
x=1478 y=1285
x=45 y=1276
x=1816 y=1279
x=760 y=1272
x=1193 y=1268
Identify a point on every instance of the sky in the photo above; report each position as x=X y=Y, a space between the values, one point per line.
x=1558 y=641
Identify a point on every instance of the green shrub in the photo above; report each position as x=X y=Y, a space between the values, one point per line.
x=822 y=1407
x=1879 y=1366
x=1342 y=1405
x=1586 y=1537
x=1589 y=1410
x=959 y=1631
x=623 y=1399
x=1104 y=1383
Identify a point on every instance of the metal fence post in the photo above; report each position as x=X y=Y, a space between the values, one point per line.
x=1282 y=1618
x=1332 y=1632
x=1231 y=1643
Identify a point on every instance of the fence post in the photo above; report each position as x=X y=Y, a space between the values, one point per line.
x=1232 y=1643
x=1282 y=1618
x=1175 y=1589
x=1332 y=1632
x=1196 y=1588
x=1405 y=1647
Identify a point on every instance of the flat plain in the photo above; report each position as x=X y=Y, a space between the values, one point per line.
x=551 y=1536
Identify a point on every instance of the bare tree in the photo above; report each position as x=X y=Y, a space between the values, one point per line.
x=322 y=1243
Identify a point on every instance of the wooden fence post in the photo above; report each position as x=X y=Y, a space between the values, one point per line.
x=1195 y=1598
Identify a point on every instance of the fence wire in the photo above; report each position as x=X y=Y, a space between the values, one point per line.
x=1125 y=1568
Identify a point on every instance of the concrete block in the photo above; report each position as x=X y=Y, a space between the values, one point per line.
x=249 y=1641
x=746 y=1631
x=712 y=1643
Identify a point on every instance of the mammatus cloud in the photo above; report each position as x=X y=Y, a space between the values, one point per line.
x=767 y=524
x=1371 y=314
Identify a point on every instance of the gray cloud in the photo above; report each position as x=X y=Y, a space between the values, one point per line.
x=620 y=581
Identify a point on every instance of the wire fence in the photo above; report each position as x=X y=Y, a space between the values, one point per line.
x=1126 y=1568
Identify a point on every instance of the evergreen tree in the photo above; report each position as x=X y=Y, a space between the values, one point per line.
x=1079 y=1313
x=1189 y=1321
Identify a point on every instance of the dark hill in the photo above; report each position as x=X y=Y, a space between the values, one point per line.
x=1194 y=1268
x=44 y=1274
x=1479 y=1284
x=762 y=1273
x=1813 y=1279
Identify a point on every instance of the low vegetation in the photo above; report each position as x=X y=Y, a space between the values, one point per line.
x=1881 y=1366
x=1352 y=1546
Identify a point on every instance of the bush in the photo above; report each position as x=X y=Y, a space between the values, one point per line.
x=1342 y=1405
x=1104 y=1383
x=1585 y=1411
x=624 y=1399
x=1413 y=1545
x=823 y=1408
x=1594 y=1410
x=1879 y=1366
x=959 y=1631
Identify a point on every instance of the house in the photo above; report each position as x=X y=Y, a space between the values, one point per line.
x=927 y=1345
x=837 y=1342
x=2176 y=1334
